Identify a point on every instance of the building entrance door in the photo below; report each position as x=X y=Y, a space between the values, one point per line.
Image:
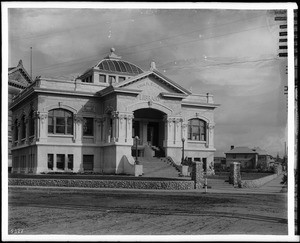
x=152 y=133
x=149 y=126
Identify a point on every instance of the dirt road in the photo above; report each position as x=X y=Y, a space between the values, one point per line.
x=137 y=212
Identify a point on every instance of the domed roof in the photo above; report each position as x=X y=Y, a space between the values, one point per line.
x=113 y=63
x=118 y=66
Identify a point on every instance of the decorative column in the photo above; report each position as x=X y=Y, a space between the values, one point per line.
x=35 y=121
x=43 y=126
x=129 y=120
x=122 y=128
x=183 y=129
x=178 y=131
x=169 y=131
x=115 y=117
x=77 y=137
x=98 y=130
x=209 y=134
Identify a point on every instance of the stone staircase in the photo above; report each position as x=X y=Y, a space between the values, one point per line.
x=157 y=167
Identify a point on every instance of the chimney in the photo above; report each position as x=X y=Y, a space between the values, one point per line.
x=231 y=147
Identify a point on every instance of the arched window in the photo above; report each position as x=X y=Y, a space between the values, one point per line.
x=60 y=121
x=23 y=127
x=31 y=123
x=197 y=130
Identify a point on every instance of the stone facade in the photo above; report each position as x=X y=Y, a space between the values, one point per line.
x=88 y=124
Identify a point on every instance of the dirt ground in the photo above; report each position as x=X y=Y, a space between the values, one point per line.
x=137 y=212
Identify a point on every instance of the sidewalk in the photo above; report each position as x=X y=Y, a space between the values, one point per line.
x=271 y=187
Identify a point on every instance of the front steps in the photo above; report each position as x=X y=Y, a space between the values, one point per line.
x=157 y=167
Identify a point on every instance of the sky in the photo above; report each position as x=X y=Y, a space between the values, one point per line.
x=231 y=54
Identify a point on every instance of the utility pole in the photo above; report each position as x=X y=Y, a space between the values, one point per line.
x=31 y=62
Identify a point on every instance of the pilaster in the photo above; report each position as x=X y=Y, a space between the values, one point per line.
x=77 y=136
x=43 y=126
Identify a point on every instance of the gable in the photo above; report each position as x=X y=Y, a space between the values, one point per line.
x=17 y=76
x=151 y=81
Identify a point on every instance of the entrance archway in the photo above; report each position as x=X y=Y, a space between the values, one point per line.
x=148 y=125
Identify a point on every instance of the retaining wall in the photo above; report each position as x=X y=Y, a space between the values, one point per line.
x=258 y=182
x=130 y=184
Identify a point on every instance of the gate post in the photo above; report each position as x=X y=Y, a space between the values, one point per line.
x=197 y=174
x=235 y=174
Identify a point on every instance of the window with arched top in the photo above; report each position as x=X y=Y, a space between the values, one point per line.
x=197 y=129
x=60 y=121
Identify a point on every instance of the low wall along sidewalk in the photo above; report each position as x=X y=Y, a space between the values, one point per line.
x=258 y=182
x=130 y=184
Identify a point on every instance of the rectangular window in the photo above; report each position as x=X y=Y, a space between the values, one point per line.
x=102 y=78
x=50 y=161
x=234 y=156
x=70 y=161
x=60 y=161
x=122 y=79
x=60 y=125
x=204 y=164
x=88 y=126
x=88 y=162
x=196 y=159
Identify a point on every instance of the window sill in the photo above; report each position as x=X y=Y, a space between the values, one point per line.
x=196 y=141
x=61 y=135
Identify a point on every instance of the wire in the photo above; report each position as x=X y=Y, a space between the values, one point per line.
x=133 y=46
x=182 y=43
x=225 y=63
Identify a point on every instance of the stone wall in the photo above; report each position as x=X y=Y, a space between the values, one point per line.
x=258 y=182
x=130 y=184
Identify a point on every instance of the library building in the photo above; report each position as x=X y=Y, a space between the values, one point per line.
x=110 y=118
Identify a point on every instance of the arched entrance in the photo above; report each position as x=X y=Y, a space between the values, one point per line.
x=148 y=125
